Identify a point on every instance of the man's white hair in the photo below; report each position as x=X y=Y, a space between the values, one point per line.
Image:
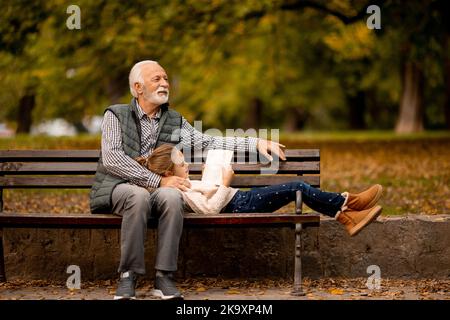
x=136 y=75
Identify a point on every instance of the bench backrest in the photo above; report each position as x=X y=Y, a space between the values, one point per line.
x=75 y=169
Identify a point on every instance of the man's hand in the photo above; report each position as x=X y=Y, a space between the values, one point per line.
x=175 y=182
x=264 y=146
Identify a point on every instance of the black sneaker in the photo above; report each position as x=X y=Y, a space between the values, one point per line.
x=126 y=288
x=166 y=289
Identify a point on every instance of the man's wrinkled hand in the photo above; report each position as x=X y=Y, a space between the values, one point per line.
x=266 y=146
x=175 y=182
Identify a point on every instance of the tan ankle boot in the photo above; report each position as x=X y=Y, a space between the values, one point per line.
x=354 y=221
x=364 y=200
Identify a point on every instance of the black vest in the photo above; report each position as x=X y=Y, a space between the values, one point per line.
x=168 y=132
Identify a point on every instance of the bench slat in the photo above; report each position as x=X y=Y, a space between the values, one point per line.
x=50 y=155
x=27 y=220
x=90 y=168
x=86 y=182
x=92 y=155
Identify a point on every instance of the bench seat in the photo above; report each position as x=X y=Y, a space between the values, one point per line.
x=74 y=169
x=53 y=220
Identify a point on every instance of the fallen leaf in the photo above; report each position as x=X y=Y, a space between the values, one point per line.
x=363 y=294
x=337 y=291
x=232 y=292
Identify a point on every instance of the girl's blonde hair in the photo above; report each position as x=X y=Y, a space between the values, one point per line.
x=160 y=161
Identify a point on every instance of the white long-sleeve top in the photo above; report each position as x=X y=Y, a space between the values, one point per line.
x=204 y=198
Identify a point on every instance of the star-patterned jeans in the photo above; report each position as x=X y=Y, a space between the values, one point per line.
x=272 y=198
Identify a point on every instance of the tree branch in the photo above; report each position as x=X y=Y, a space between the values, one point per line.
x=301 y=4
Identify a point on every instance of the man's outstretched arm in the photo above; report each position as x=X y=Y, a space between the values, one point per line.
x=191 y=137
x=194 y=139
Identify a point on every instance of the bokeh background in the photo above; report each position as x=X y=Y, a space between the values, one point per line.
x=375 y=101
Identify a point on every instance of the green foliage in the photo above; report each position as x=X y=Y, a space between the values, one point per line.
x=221 y=56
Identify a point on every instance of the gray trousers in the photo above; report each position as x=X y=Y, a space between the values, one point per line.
x=136 y=204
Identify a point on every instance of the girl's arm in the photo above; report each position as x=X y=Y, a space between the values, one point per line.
x=228 y=174
x=204 y=205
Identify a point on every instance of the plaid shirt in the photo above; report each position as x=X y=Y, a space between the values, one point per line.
x=118 y=163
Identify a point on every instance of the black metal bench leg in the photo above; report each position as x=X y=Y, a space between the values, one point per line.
x=298 y=290
x=2 y=259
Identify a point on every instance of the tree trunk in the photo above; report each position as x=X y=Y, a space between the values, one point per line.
x=254 y=116
x=295 y=119
x=411 y=106
x=447 y=82
x=357 y=109
x=80 y=127
x=115 y=89
x=375 y=115
x=25 y=113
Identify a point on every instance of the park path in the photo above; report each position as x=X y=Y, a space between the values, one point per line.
x=211 y=289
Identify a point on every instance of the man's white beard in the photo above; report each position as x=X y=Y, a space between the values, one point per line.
x=155 y=98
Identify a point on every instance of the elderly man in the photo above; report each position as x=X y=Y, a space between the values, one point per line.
x=120 y=185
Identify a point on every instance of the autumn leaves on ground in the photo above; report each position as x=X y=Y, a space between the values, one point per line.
x=415 y=172
x=238 y=289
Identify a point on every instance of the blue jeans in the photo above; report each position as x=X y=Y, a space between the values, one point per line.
x=272 y=198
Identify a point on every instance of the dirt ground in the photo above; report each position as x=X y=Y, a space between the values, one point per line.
x=217 y=289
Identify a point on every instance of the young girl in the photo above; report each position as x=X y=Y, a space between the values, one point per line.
x=354 y=211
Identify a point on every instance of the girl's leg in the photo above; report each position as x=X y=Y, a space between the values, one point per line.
x=271 y=198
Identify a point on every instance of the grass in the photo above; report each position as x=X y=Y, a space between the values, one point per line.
x=413 y=169
x=85 y=141
x=362 y=136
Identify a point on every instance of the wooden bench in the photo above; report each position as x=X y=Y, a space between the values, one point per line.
x=74 y=169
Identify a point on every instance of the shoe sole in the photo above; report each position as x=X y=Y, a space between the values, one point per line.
x=124 y=298
x=160 y=294
x=375 y=199
x=373 y=214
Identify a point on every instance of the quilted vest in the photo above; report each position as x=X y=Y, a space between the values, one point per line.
x=168 y=132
